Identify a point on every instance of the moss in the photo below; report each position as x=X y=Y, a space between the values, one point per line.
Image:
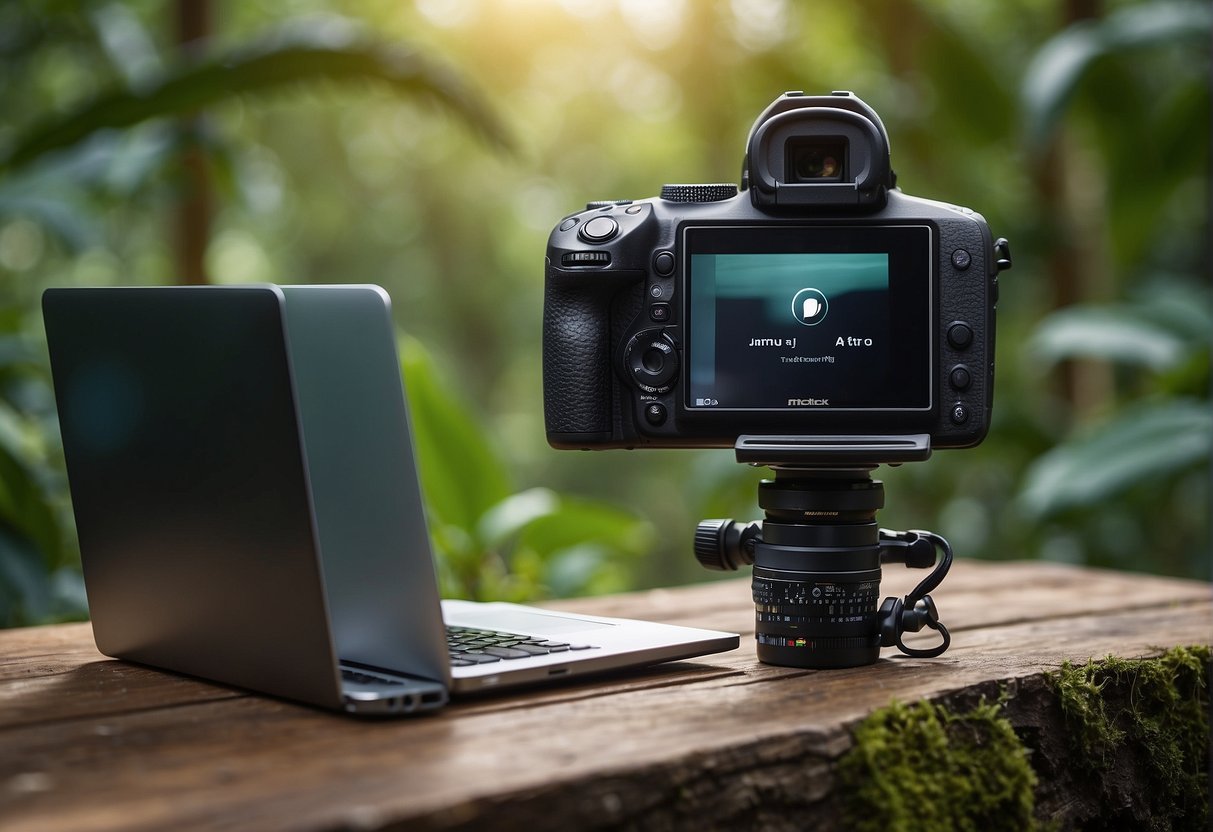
x=1137 y=733
x=920 y=766
x=1151 y=718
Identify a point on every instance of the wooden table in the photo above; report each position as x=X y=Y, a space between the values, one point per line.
x=723 y=741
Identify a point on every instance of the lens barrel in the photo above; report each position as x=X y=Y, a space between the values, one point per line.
x=816 y=579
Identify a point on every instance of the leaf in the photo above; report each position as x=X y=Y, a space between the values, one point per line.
x=287 y=58
x=578 y=522
x=1144 y=444
x=1058 y=66
x=506 y=519
x=25 y=584
x=1117 y=334
x=462 y=475
x=63 y=219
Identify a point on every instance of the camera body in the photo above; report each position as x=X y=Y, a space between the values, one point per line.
x=815 y=300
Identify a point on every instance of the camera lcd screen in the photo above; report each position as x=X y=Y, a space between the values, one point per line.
x=820 y=317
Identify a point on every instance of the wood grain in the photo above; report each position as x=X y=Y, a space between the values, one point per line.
x=90 y=743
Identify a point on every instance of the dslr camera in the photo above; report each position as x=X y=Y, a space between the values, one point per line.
x=816 y=299
x=817 y=320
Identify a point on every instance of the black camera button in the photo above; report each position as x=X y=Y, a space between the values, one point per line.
x=633 y=209
x=960 y=335
x=599 y=230
x=663 y=264
x=960 y=377
x=961 y=259
x=569 y=223
x=585 y=258
x=651 y=361
x=655 y=414
x=960 y=414
x=660 y=312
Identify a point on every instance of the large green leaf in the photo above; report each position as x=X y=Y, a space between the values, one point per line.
x=576 y=522
x=461 y=473
x=1061 y=63
x=1112 y=333
x=1142 y=445
x=295 y=56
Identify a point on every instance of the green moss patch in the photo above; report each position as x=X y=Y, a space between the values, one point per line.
x=920 y=766
x=1145 y=722
x=1118 y=743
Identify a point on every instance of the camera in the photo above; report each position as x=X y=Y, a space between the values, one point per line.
x=816 y=299
x=817 y=320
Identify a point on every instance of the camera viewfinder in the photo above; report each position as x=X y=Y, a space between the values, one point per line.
x=816 y=159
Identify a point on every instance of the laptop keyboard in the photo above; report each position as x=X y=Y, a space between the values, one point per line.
x=469 y=646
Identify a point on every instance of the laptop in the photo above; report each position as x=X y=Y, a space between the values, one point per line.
x=243 y=480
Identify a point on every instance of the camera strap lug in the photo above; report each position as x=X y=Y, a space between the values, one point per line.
x=917 y=610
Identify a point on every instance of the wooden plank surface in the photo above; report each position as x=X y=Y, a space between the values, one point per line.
x=91 y=743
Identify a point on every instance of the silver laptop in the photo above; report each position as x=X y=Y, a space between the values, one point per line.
x=248 y=508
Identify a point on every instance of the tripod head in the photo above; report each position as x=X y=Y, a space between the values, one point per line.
x=817 y=559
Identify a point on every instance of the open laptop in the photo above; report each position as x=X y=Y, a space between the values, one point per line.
x=243 y=480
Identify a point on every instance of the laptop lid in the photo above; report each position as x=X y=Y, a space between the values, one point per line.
x=189 y=485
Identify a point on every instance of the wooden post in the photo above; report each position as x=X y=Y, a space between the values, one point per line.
x=192 y=215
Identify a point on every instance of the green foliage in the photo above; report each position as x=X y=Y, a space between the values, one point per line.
x=37 y=552
x=1146 y=446
x=1056 y=70
x=297 y=54
x=1086 y=145
x=1152 y=713
x=495 y=543
x=39 y=577
x=921 y=766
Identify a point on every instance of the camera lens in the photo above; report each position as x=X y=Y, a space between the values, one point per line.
x=816 y=583
x=815 y=160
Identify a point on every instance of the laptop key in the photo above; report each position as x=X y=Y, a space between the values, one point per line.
x=532 y=649
x=461 y=663
x=507 y=652
x=478 y=657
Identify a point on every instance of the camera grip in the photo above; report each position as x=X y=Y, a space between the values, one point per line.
x=577 y=351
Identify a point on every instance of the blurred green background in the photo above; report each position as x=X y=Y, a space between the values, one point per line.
x=431 y=146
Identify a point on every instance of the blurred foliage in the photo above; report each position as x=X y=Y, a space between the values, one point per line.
x=1079 y=128
x=492 y=542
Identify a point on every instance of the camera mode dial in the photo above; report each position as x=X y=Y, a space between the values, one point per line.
x=698 y=193
x=650 y=361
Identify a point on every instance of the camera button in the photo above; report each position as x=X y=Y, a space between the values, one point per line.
x=961 y=259
x=599 y=230
x=960 y=377
x=960 y=335
x=655 y=414
x=633 y=209
x=960 y=414
x=663 y=264
x=660 y=312
x=569 y=223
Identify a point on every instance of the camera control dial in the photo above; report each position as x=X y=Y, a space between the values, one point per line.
x=698 y=193
x=650 y=361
